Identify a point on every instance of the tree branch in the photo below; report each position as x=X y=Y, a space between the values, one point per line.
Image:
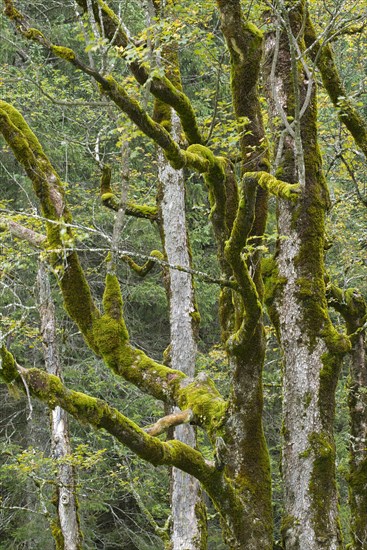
x=21 y=232
x=170 y=421
x=276 y=187
x=323 y=55
x=110 y=200
x=160 y=86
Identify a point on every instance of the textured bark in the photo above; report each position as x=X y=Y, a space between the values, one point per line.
x=188 y=527
x=66 y=529
x=239 y=480
x=358 y=442
x=352 y=306
x=311 y=348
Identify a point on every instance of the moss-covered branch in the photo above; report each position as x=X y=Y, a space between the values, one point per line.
x=160 y=86
x=106 y=335
x=143 y=270
x=233 y=253
x=110 y=200
x=323 y=55
x=350 y=304
x=169 y=385
x=177 y=157
x=274 y=186
x=49 y=190
x=86 y=409
x=50 y=390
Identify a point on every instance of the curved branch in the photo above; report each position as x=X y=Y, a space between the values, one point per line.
x=276 y=187
x=143 y=270
x=323 y=55
x=170 y=421
x=110 y=200
x=160 y=86
x=49 y=389
x=49 y=190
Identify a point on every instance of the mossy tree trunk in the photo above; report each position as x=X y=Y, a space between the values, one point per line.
x=312 y=349
x=352 y=306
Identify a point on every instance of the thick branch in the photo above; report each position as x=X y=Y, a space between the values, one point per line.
x=233 y=253
x=109 y=86
x=348 y=114
x=274 y=186
x=49 y=190
x=49 y=389
x=160 y=86
x=98 y=413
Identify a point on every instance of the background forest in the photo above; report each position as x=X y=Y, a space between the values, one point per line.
x=124 y=502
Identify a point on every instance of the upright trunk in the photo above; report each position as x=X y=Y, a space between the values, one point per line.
x=358 y=426
x=312 y=349
x=245 y=454
x=188 y=512
x=351 y=305
x=66 y=530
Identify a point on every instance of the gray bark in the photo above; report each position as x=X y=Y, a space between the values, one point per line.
x=309 y=342
x=186 y=493
x=66 y=498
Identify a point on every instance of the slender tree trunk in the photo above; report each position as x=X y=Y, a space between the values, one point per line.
x=66 y=529
x=358 y=441
x=188 y=511
x=352 y=306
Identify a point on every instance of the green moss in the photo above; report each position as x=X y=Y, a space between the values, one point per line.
x=357 y=481
x=11 y=12
x=78 y=299
x=142 y=211
x=107 y=196
x=211 y=412
x=273 y=286
x=57 y=535
x=112 y=298
x=8 y=368
x=288 y=523
x=17 y=119
x=105 y=187
x=202 y=522
x=322 y=483
x=33 y=34
x=63 y=52
x=275 y=186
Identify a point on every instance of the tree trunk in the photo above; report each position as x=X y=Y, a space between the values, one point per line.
x=352 y=306
x=312 y=349
x=66 y=529
x=187 y=508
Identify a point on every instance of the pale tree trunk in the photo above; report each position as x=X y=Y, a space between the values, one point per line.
x=66 y=530
x=188 y=511
x=312 y=349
